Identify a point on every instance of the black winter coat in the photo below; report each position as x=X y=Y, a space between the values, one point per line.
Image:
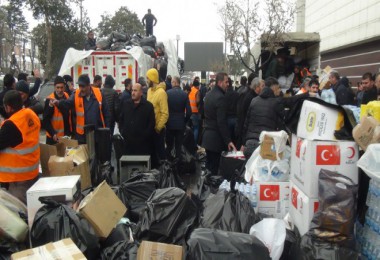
x=265 y=113
x=178 y=102
x=137 y=127
x=113 y=101
x=216 y=135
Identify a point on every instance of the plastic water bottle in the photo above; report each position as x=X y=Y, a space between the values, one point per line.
x=373 y=197
x=241 y=188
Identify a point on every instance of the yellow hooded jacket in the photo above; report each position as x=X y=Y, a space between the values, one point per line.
x=158 y=97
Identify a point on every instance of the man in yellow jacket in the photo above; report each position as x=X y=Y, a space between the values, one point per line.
x=158 y=97
x=19 y=147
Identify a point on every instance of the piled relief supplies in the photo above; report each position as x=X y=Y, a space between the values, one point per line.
x=366 y=132
x=371 y=109
x=369 y=235
x=268 y=169
x=66 y=158
x=313 y=149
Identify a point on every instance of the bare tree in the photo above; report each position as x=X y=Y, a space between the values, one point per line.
x=246 y=22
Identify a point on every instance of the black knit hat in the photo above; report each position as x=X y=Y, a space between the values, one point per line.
x=22 y=86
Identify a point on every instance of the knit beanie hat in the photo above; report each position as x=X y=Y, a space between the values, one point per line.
x=22 y=86
x=152 y=75
x=109 y=81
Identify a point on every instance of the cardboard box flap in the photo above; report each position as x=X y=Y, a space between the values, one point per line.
x=60 y=166
x=69 y=142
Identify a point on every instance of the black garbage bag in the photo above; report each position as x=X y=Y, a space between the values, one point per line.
x=214 y=244
x=148 y=41
x=311 y=248
x=122 y=232
x=291 y=241
x=187 y=163
x=228 y=211
x=56 y=221
x=169 y=176
x=189 y=142
x=134 y=193
x=118 y=46
x=335 y=219
x=118 y=37
x=7 y=248
x=103 y=44
x=206 y=185
x=105 y=171
x=122 y=250
x=149 y=51
x=168 y=217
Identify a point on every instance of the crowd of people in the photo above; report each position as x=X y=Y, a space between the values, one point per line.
x=152 y=114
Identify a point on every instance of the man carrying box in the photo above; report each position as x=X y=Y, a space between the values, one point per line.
x=19 y=147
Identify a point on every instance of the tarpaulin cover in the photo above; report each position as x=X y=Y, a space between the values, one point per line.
x=134 y=193
x=168 y=217
x=212 y=244
x=335 y=219
x=56 y=221
x=228 y=211
x=122 y=250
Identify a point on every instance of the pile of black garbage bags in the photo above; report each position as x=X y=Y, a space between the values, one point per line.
x=208 y=222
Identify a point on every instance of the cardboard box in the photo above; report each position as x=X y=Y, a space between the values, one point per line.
x=273 y=198
x=46 y=151
x=367 y=132
x=156 y=251
x=308 y=157
x=76 y=162
x=64 y=249
x=318 y=122
x=268 y=149
x=63 y=188
x=103 y=209
x=302 y=209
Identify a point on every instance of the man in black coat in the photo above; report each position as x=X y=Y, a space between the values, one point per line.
x=369 y=88
x=137 y=123
x=342 y=93
x=254 y=90
x=90 y=43
x=265 y=113
x=147 y=21
x=216 y=137
x=178 y=103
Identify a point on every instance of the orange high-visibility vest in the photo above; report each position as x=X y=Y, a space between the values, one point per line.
x=193 y=99
x=20 y=163
x=79 y=109
x=57 y=120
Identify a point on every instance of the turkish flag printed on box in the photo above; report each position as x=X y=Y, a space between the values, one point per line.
x=308 y=157
x=328 y=155
x=270 y=192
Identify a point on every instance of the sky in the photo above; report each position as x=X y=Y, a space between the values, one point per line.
x=192 y=20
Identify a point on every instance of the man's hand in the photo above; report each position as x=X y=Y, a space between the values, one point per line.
x=55 y=138
x=53 y=102
x=231 y=147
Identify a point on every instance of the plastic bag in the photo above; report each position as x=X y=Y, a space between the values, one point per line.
x=335 y=219
x=214 y=244
x=187 y=163
x=149 y=51
x=168 y=217
x=279 y=139
x=272 y=233
x=228 y=211
x=370 y=161
x=122 y=250
x=103 y=44
x=55 y=221
x=148 y=41
x=122 y=232
x=204 y=187
x=7 y=248
x=134 y=193
x=259 y=169
x=105 y=171
x=169 y=176
x=228 y=165
x=13 y=204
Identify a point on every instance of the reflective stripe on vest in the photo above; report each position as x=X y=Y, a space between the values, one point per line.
x=20 y=163
x=193 y=99
x=57 y=121
x=79 y=109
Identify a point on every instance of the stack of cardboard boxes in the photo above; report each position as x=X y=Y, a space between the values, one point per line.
x=315 y=148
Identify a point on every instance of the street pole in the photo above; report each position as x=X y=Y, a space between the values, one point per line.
x=177 y=38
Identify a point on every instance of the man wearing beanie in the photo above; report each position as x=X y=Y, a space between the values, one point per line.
x=29 y=102
x=113 y=101
x=69 y=85
x=56 y=121
x=158 y=97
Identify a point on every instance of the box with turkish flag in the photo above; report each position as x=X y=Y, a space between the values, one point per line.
x=308 y=157
x=301 y=208
x=273 y=198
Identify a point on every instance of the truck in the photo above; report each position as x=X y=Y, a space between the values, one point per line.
x=132 y=63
